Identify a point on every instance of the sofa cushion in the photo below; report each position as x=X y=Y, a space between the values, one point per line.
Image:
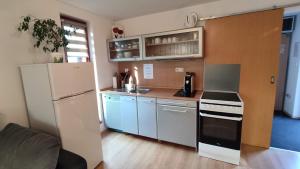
x=69 y=160
x=27 y=149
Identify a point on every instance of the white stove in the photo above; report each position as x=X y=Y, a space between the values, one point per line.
x=221 y=115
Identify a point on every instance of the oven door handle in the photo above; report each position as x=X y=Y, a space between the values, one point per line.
x=221 y=117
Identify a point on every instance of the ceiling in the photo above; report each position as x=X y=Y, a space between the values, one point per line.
x=123 y=9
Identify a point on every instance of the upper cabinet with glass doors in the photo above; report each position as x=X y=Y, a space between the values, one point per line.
x=125 y=49
x=186 y=43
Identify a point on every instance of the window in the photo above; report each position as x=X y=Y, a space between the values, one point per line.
x=78 y=47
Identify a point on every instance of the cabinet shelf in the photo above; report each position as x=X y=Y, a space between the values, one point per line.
x=172 y=43
x=122 y=50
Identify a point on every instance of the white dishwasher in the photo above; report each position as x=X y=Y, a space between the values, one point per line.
x=177 y=121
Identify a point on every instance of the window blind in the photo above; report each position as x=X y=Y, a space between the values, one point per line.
x=78 y=47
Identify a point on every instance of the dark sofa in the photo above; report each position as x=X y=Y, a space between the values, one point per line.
x=31 y=149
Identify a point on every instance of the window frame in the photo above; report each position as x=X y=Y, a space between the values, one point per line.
x=79 y=22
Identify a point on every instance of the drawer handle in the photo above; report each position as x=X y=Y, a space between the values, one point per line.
x=181 y=111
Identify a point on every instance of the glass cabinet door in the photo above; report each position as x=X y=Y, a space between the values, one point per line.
x=185 y=43
x=125 y=49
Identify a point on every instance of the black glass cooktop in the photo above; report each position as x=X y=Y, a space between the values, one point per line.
x=221 y=96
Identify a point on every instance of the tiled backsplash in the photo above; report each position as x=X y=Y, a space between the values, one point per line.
x=164 y=72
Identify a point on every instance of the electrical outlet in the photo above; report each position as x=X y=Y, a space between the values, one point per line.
x=179 y=69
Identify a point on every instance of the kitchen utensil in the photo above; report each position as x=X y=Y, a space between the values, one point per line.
x=174 y=39
x=127 y=54
x=157 y=40
x=119 y=55
x=135 y=46
x=115 y=82
x=195 y=36
x=165 y=40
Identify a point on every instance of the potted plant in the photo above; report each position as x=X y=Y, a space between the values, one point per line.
x=47 y=35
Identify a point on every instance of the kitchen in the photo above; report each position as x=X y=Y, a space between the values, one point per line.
x=189 y=87
x=166 y=75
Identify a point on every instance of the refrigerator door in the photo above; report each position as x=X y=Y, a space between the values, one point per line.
x=69 y=79
x=79 y=127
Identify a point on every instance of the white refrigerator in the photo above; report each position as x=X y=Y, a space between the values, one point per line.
x=61 y=100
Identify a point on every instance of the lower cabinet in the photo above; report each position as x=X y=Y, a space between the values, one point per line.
x=177 y=124
x=129 y=114
x=111 y=111
x=168 y=120
x=147 y=117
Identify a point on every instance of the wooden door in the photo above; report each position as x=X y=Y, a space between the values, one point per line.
x=282 y=71
x=253 y=41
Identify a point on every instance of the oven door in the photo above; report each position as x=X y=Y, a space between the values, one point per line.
x=220 y=129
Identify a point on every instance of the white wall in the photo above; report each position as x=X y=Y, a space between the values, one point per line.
x=292 y=98
x=174 y=19
x=99 y=31
x=16 y=49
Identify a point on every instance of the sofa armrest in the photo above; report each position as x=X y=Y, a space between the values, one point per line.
x=69 y=160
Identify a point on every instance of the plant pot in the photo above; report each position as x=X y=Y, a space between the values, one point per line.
x=56 y=57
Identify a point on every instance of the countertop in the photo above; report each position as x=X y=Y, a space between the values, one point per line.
x=158 y=93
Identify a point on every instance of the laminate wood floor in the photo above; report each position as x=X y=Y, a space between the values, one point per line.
x=122 y=151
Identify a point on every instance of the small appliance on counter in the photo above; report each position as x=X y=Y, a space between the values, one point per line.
x=127 y=81
x=188 y=86
x=220 y=114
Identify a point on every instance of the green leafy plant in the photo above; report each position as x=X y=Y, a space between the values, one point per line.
x=46 y=33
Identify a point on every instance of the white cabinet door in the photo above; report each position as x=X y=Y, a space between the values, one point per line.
x=112 y=114
x=147 y=117
x=129 y=114
x=177 y=124
x=70 y=78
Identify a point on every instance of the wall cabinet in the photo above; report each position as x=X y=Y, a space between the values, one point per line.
x=111 y=111
x=147 y=117
x=125 y=49
x=129 y=114
x=185 y=43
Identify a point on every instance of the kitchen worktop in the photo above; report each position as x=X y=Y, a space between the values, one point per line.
x=158 y=93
